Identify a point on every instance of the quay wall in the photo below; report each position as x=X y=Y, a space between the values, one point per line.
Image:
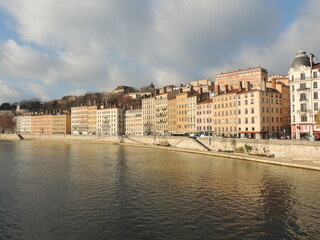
x=287 y=150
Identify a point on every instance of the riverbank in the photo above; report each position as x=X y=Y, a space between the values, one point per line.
x=305 y=154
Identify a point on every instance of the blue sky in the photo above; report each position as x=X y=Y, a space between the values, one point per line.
x=49 y=49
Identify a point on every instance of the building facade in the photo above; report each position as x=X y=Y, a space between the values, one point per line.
x=161 y=114
x=61 y=124
x=110 y=121
x=133 y=122
x=204 y=116
x=225 y=115
x=41 y=124
x=148 y=115
x=255 y=76
x=304 y=77
x=79 y=120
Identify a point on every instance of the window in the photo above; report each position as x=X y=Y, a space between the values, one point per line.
x=292 y=97
x=292 y=78
x=252 y=119
x=302 y=76
x=252 y=110
x=316 y=107
x=315 y=75
x=303 y=107
x=315 y=95
x=246 y=102
x=246 y=120
x=315 y=84
x=304 y=118
x=252 y=101
x=303 y=96
x=303 y=85
x=246 y=111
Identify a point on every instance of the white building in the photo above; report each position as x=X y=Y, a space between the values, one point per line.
x=304 y=77
x=148 y=115
x=23 y=124
x=79 y=120
x=110 y=121
x=133 y=122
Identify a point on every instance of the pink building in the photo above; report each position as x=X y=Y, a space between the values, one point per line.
x=204 y=116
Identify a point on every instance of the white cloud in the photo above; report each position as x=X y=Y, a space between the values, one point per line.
x=122 y=42
x=9 y=93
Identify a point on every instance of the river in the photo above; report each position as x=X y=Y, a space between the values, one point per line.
x=77 y=190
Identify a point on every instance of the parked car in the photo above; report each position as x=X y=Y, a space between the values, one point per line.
x=192 y=135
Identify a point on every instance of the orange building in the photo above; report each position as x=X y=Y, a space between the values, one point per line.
x=253 y=75
x=61 y=124
x=41 y=124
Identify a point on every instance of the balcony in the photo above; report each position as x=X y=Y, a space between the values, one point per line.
x=303 y=89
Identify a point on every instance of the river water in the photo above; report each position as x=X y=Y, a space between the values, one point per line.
x=77 y=190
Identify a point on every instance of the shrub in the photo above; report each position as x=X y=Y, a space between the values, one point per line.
x=248 y=148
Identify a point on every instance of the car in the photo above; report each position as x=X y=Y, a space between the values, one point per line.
x=192 y=135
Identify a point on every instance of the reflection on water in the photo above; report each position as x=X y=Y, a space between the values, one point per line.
x=96 y=191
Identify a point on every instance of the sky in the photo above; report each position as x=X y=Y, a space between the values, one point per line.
x=53 y=48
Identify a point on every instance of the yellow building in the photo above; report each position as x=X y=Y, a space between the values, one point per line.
x=260 y=113
x=92 y=119
x=61 y=124
x=41 y=124
x=182 y=112
x=225 y=114
x=172 y=115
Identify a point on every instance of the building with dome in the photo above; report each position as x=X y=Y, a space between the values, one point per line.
x=304 y=79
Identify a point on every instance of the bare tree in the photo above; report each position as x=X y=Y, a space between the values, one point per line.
x=7 y=124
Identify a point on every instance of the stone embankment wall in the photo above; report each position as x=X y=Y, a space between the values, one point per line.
x=288 y=150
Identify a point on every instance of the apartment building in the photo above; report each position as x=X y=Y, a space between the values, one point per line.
x=225 y=115
x=260 y=113
x=255 y=76
x=148 y=115
x=161 y=114
x=204 y=116
x=172 y=115
x=92 y=119
x=204 y=85
x=79 y=120
x=61 y=124
x=192 y=100
x=304 y=77
x=281 y=83
x=182 y=111
x=110 y=121
x=23 y=124
x=133 y=122
x=41 y=124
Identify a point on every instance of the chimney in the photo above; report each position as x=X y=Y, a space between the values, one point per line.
x=273 y=83
x=311 y=59
x=240 y=86
x=218 y=89
x=263 y=86
x=247 y=85
x=227 y=88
